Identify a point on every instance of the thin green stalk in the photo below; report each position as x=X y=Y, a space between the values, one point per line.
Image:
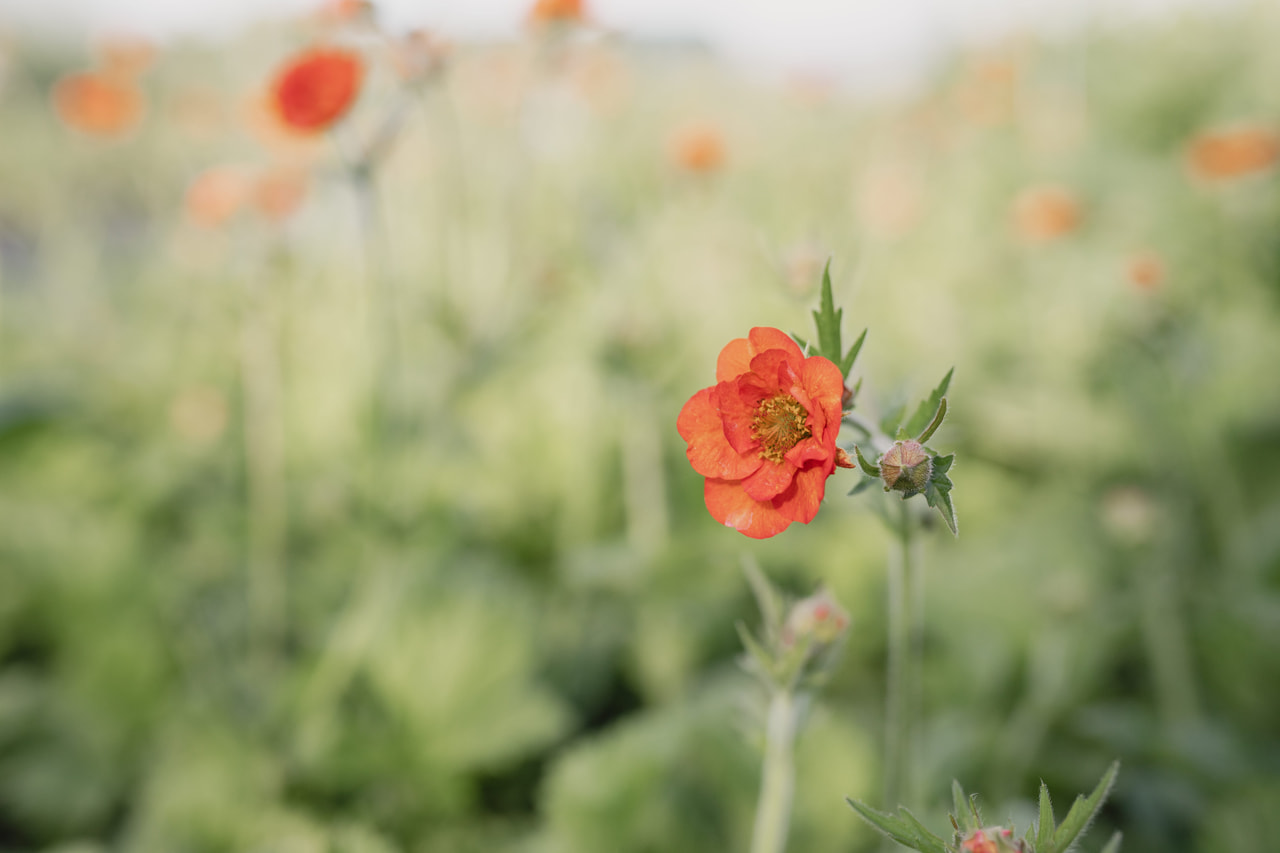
x=264 y=469
x=778 y=775
x=897 y=714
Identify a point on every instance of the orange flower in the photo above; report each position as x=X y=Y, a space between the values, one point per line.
x=277 y=193
x=764 y=436
x=316 y=88
x=97 y=105
x=557 y=11
x=1220 y=155
x=1146 y=271
x=698 y=148
x=216 y=195
x=1046 y=213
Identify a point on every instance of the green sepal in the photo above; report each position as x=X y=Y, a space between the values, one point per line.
x=867 y=468
x=938 y=418
x=937 y=492
x=1082 y=813
x=966 y=809
x=1044 y=830
x=1113 y=846
x=905 y=830
x=925 y=412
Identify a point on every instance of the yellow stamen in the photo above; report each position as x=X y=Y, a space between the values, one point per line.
x=779 y=425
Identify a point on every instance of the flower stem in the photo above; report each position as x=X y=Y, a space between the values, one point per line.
x=778 y=776
x=900 y=671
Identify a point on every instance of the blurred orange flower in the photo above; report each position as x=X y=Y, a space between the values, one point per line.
x=698 y=148
x=1227 y=153
x=216 y=195
x=764 y=435
x=340 y=12
x=97 y=104
x=1046 y=213
x=277 y=193
x=316 y=88
x=557 y=11
x=1146 y=271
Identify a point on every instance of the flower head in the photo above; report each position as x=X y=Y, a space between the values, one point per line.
x=1046 y=213
x=316 y=88
x=698 y=148
x=764 y=436
x=1233 y=152
x=556 y=12
x=97 y=104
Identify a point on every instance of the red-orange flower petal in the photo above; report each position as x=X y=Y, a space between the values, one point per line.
x=709 y=452
x=316 y=88
x=732 y=507
x=735 y=358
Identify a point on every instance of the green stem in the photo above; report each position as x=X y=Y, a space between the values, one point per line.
x=904 y=636
x=778 y=776
x=264 y=469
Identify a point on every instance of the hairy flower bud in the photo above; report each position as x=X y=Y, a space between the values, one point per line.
x=906 y=467
x=819 y=617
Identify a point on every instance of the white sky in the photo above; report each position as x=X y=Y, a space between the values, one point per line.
x=840 y=37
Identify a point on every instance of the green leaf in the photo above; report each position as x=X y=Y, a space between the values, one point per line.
x=867 y=468
x=935 y=423
x=827 y=319
x=905 y=830
x=974 y=811
x=1113 y=846
x=846 y=364
x=1044 y=830
x=925 y=411
x=958 y=803
x=1082 y=813
x=767 y=597
x=937 y=492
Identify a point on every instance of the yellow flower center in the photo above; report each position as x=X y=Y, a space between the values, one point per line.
x=779 y=425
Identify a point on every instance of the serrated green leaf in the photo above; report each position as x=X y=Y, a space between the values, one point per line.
x=1113 y=846
x=938 y=418
x=867 y=468
x=767 y=597
x=925 y=411
x=846 y=363
x=1044 y=830
x=1082 y=813
x=827 y=320
x=905 y=830
x=937 y=492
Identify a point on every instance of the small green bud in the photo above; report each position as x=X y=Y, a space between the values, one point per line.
x=906 y=467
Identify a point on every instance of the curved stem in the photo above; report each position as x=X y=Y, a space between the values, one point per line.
x=778 y=776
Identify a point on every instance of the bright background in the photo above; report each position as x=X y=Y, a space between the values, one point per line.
x=243 y=608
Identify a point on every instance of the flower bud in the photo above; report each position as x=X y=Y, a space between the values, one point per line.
x=989 y=839
x=818 y=617
x=906 y=467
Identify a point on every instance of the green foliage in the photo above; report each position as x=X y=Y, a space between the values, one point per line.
x=827 y=321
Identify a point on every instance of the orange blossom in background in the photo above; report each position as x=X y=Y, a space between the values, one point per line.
x=557 y=11
x=698 y=148
x=1233 y=152
x=316 y=88
x=764 y=436
x=97 y=104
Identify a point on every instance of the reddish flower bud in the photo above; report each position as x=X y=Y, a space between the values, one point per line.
x=818 y=617
x=906 y=467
